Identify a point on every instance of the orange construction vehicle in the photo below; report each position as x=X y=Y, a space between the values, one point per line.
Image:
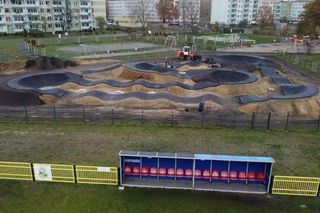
x=187 y=54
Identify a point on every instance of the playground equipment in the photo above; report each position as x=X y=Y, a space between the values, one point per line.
x=240 y=174
x=170 y=42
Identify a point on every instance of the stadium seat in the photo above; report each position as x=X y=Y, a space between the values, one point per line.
x=162 y=172
x=127 y=170
x=206 y=174
x=260 y=176
x=136 y=170
x=215 y=175
x=233 y=175
x=145 y=171
x=198 y=173
x=180 y=172
x=242 y=176
x=153 y=171
x=251 y=176
x=171 y=172
x=224 y=175
x=188 y=173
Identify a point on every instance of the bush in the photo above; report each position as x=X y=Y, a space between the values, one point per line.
x=36 y=33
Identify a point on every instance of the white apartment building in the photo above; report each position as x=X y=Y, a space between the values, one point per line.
x=49 y=15
x=121 y=8
x=233 y=11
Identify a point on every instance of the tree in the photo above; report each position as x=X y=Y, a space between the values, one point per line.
x=190 y=12
x=216 y=26
x=141 y=10
x=310 y=23
x=167 y=10
x=264 y=17
x=243 y=23
x=101 y=22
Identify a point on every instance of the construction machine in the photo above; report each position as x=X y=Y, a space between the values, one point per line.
x=187 y=53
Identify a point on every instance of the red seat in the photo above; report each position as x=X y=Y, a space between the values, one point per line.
x=224 y=175
x=215 y=175
x=162 y=172
x=206 y=174
x=171 y=172
x=242 y=176
x=180 y=172
x=188 y=173
x=233 y=175
x=127 y=170
x=153 y=171
x=251 y=176
x=260 y=176
x=198 y=173
x=136 y=170
x=145 y=171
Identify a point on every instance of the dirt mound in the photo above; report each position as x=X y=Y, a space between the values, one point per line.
x=12 y=67
x=130 y=75
x=48 y=63
x=298 y=108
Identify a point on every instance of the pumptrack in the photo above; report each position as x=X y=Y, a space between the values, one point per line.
x=47 y=82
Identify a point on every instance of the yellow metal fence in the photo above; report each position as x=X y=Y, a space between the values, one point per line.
x=291 y=185
x=54 y=173
x=15 y=171
x=97 y=175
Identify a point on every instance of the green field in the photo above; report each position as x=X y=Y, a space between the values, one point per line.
x=295 y=153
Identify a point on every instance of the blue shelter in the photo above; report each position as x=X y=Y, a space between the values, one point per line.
x=224 y=173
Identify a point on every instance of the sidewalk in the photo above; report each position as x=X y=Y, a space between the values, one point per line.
x=98 y=56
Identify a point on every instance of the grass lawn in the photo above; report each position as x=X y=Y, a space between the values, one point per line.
x=261 y=39
x=295 y=153
x=9 y=51
x=307 y=62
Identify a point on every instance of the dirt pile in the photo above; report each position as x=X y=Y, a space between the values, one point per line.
x=12 y=67
x=48 y=63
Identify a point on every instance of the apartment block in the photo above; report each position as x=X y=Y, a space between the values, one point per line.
x=49 y=15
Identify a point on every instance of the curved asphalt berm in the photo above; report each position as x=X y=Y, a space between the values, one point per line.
x=41 y=82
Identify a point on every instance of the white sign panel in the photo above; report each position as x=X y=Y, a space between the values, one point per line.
x=42 y=172
x=103 y=169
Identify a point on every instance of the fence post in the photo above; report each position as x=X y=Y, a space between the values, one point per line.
x=202 y=119
x=234 y=120
x=287 y=122
x=83 y=116
x=142 y=117
x=269 y=122
x=26 y=114
x=305 y=63
x=112 y=117
x=55 y=114
x=318 y=124
x=171 y=118
x=253 y=120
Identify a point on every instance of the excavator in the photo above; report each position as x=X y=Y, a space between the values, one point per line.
x=187 y=53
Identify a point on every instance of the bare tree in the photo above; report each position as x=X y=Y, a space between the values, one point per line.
x=65 y=15
x=141 y=10
x=190 y=11
x=167 y=10
x=264 y=17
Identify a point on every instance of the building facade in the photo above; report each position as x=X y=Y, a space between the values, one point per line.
x=234 y=11
x=122 y=8
x=49 y=15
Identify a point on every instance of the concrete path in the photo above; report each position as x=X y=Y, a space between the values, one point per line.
x=98 y=56
x=91 y=48
x=273 y=48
